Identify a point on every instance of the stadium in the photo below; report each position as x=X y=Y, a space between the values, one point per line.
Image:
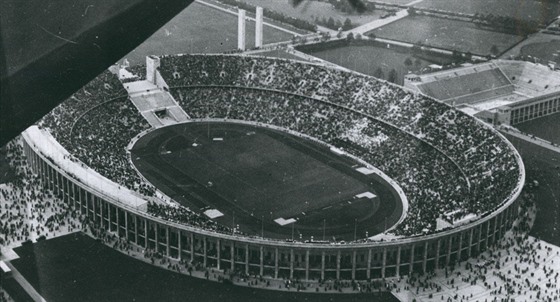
x=499 y=92
x=278 y=168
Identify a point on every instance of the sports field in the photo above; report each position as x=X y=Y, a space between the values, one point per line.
x=532 y=10
x=257 y=175
x=447 y=34
x=201 y=29
x=368 y=59
x=544 y=47
x=547 y=127
x=76 y=267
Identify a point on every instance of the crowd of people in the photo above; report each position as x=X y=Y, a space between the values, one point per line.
x=445 y=161
x=518 y=268
x=386 y=148
x=483 y=157
x=481 y=170
x=184 y=215
x=27 y=210
x=95 y=125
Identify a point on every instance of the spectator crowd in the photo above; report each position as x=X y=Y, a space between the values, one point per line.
x=445 y=161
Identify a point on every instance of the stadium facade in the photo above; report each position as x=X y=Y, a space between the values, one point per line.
x=123 y=212
x=498 y=92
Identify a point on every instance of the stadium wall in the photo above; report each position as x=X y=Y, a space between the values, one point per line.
x=261 y=256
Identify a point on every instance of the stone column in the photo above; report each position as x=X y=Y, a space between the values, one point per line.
x=241 y=29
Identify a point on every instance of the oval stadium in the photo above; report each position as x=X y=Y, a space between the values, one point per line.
x=278 y=168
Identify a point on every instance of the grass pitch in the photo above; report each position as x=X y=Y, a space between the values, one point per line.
x=447 y=34
x=256 y=175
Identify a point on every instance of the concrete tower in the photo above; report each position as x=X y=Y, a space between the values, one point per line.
x=241 y=29
x=259 y=27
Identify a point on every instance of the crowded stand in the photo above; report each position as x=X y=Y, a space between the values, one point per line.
x=184 y=215
x=95 y=125
x=119 y=120
x=483 y=157
x=376 y=143
x=445 y=161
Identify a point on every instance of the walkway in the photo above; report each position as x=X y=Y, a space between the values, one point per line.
x=362 y=29
x=532 y=139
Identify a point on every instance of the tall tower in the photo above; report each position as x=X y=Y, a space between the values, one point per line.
x=241 y=29
x=259 y=27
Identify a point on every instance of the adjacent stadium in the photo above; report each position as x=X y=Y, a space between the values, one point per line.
x=278 y=168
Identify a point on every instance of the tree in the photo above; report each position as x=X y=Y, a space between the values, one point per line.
x=417 y=48
x=494 y=50
x=378 y=73
x=347 y=24
x=417 y=63
x=372 y=36
x=408 y=62
x=411 y=11
x=350 y=37
x=456 y=55
x=358 y=36
x=330 y=23
x=294 y=39
x=392 y=77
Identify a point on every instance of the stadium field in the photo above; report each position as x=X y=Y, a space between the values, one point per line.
x=447 y=34
x=76 y=267
x=547 y=127
x=200 y=29
x=256 y=175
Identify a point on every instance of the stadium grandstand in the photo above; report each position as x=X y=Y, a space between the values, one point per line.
x=458 y=179
x=498 y=92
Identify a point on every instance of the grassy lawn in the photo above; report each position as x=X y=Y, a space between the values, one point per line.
x=547 y=127
x=309 y=10
x=261 y=175
x=78 y=268
x=546 y=47
x=521 y=9
x=449 y=34
x=200 y=29
x=367 y=59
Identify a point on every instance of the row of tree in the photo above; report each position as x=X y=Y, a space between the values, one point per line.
x=508 y=24
x=333 y=24
x=298 y=23
x=353 y=7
